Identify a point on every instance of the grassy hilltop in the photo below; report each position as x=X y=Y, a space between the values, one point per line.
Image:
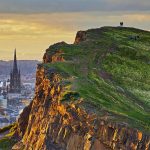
x=110 y=70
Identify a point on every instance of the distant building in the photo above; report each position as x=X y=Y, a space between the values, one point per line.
x=1 y=84
x=15 y=78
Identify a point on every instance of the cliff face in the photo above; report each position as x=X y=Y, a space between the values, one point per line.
x=51 y=123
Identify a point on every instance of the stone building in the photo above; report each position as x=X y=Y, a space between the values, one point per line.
x=15 y=77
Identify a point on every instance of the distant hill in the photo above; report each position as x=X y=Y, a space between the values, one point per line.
x=26 y=66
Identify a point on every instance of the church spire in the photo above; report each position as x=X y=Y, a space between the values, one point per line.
x=15 y=78
x=15 y=68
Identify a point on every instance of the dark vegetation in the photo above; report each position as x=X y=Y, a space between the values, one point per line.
x=71 y=96
x=6 y=128
x=7 y=141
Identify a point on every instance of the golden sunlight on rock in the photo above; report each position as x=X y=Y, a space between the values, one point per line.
x=139 y=136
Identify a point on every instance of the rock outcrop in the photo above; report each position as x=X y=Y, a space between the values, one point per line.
x=80 y=37
x=56 y=56
x=49 y=123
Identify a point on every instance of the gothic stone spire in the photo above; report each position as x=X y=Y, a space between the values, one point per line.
x=15 y=79
x=15 y=68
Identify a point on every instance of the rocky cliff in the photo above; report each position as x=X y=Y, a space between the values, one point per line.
x=59 y=117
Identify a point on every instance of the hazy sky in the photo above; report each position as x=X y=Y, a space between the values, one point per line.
x=32 y=25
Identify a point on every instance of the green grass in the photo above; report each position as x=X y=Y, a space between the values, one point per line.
x=7 y=141
x=126 y=93
x=6 y=128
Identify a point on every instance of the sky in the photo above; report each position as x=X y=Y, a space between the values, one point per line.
x=31 y=26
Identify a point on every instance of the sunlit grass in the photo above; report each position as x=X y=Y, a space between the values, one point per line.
x=125 y=92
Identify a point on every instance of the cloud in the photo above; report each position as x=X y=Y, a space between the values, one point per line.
x=51 y=6
x=31 y=34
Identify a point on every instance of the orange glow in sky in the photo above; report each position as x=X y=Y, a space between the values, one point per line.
x=31 y=34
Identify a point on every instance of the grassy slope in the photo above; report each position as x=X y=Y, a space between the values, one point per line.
x=7 y=141
x=125 y=93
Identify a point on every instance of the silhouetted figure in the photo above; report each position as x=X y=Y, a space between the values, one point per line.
x=134 y=37
x=121 y=24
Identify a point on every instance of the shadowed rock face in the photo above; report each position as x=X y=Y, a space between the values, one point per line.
x=23 y=121
x=51 y=124
x=80 y=37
